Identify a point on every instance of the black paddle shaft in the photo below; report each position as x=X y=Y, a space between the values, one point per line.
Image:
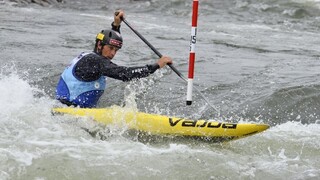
x=153 y=49
x=150 y=45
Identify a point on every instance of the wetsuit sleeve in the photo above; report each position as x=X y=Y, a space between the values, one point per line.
x=123 y=73
x=115 y=28
x=92 y=66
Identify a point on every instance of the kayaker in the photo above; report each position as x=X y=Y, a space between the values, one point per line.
x=83 y=82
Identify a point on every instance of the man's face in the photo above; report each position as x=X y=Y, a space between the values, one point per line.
x=109 y=51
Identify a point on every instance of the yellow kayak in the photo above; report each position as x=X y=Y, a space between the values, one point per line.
x=160 y=125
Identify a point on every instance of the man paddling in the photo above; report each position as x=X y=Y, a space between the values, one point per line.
x=83 y=82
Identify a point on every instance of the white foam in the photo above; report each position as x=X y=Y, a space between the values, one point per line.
x=15 y=93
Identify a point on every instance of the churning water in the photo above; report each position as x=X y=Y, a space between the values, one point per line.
x=256 y=61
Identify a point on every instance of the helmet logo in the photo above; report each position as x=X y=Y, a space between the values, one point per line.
x=116 y=43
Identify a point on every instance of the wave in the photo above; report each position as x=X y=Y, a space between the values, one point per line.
x=44 y=3
x=17 y=92
x=290 y=8
x=298 y=103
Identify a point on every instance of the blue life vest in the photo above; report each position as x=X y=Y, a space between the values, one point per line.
x=81 y=93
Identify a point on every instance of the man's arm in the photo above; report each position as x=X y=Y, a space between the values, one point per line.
x=92 y=66
x=123 y=73
x=118 y=15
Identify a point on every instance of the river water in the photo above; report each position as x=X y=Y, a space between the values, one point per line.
x=256 y=61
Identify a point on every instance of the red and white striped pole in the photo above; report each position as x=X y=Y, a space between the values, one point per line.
x=192 y=55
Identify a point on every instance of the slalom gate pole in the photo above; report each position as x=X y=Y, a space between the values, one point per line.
x=192 y=55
